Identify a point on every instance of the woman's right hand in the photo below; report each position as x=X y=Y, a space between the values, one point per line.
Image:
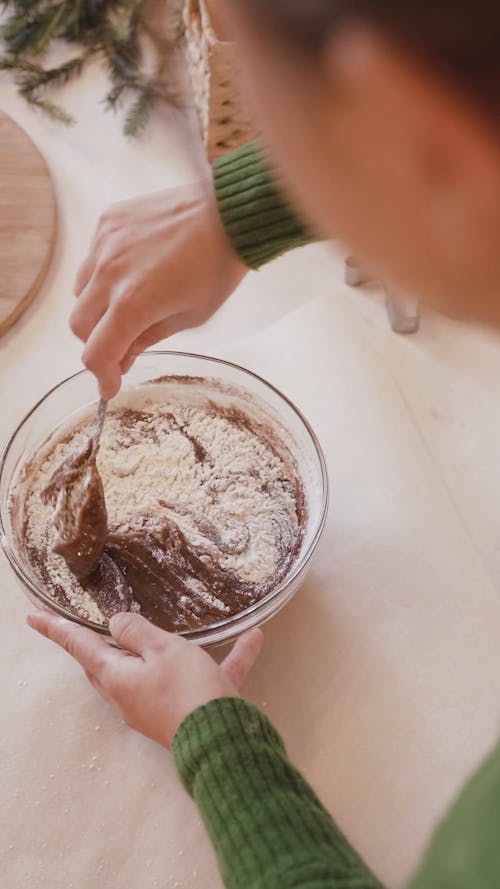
x=157 y=264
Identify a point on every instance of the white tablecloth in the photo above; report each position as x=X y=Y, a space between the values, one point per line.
x=384 y=672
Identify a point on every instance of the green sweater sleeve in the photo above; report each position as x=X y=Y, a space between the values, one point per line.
x=270 y=831
x=465 y=852
x=268 y=828
x=258 y=220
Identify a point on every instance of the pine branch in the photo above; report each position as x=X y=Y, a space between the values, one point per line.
x=139 y=113
x=37 y=78
x=24 y=6
x=114 y=98
x=52 y=23
x=57 y=114
x=12 y=63
x=114 y=31
x=33 y=33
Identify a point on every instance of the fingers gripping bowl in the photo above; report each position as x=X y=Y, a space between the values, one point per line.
x=216 y=489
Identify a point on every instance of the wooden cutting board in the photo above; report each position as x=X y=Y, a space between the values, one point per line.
x=28 y=221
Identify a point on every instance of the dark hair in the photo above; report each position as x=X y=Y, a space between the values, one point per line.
x=459 y=37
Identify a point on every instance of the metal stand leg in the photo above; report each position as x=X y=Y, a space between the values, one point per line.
x=403 y=313
x=355 y=276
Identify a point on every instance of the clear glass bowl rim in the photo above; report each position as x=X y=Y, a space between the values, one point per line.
x=228 y=628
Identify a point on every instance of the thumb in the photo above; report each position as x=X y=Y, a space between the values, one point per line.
x=242 y=657
x=136 y=634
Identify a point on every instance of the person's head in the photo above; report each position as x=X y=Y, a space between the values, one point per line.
x=385 y=118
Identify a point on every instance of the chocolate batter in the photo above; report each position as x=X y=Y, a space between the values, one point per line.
x=76 y=493
x=176 y=586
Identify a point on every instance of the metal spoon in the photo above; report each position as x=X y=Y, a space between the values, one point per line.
x=99 y=423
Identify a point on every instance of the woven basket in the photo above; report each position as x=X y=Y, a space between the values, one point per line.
x=225 y=119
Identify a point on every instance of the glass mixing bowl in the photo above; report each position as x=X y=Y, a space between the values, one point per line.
x=79 y=392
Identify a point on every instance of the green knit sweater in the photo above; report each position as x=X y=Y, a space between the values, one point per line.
x=270 y=831
x=256 y=216
x=268 y=828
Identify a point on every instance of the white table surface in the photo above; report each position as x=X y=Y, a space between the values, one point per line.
x=384 y=673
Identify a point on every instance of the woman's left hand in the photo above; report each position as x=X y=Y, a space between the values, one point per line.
x=155 y=679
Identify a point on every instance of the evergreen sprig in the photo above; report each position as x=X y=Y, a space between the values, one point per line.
x=113 y=31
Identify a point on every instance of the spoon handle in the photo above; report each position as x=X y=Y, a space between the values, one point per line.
x=99 y=422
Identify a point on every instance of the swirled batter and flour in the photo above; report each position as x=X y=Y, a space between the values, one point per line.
x=206 y=509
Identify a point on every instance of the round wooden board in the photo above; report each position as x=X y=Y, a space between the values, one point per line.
x=28 y=221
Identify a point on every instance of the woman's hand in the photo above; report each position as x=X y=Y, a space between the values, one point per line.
x=156 y=678
x=157 y=265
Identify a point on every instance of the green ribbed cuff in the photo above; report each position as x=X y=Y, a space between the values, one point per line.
x=218 y=730
x=258 y=220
